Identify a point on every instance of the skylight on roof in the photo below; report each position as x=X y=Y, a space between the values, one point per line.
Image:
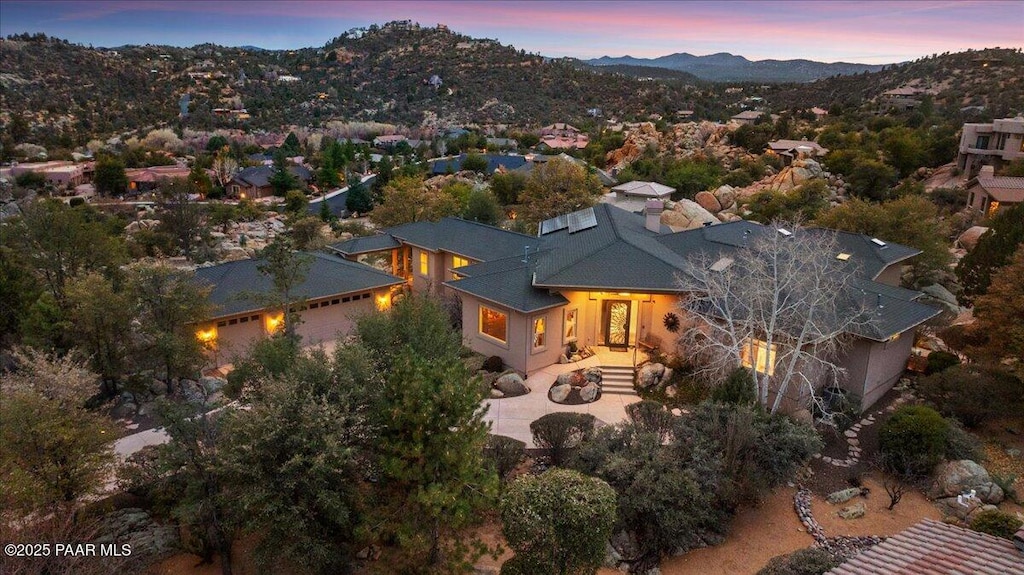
x=785 y=232
x=721 y=265
x=878 y=242
x=843 y=257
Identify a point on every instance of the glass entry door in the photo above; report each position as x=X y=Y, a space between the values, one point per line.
x=616 y=327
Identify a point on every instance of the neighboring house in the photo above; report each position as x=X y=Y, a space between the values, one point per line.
x=533 y=160
x=503 y=143
x=607 y=277
x=819 y=113
x=901 y=99
x=148 y=179
x=994 y=144
x=561 y=136
x=334 y=293
x=936 y=548
x=990 y=194
x=254 y=182
x=61 y=174
x=789 y=150
x=388 y=142
x=633 y=196
x=494 y=163
x=747 y=117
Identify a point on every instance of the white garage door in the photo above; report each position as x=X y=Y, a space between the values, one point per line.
x=324 y=320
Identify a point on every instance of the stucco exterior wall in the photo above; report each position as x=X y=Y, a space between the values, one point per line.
x=874 y=367
x=513 y=351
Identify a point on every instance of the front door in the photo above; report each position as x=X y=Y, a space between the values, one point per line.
x=616 y=324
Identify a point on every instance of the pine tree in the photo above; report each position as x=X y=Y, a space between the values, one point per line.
x=282 y=179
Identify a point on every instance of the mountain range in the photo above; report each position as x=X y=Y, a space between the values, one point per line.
x=725 y=67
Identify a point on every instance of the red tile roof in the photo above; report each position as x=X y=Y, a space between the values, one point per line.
x=1003 y=188
x=934 y=548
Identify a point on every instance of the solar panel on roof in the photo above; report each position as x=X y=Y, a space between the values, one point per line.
x=582 y=220
x=554 y=224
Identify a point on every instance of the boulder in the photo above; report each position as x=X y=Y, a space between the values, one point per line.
x=708 y=201
x=157 y=387
x=212 y=384
x=726 y=196
x=560 y=393
x=969 y=239
x=588 y=393
x=496 y=394
x=953 y=478
x=512 y=385
x=564 y=378
x=650 y=375
x=697 y=215
x=124 y=410
x=855 y=511
x=843 y=495
x=592 y=374
x=675 y=220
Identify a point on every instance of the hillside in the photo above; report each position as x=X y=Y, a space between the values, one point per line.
x=992 y=79
x=398 y=73
x=725 y=67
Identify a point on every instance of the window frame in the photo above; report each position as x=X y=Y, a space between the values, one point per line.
x=755 y=355
x=458 y=262
x=574 y=313
x=480 y=325
x=542 y=321
x=424 y=267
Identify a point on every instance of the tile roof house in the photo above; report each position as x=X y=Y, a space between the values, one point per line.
x=254 y=182
x=935 y=548
x=335 y=291
x=990 y=194
x=747 y=117
x=606 y=276
x=790 y=150
x=560 y=136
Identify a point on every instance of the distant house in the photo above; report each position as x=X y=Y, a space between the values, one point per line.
x=991 y=194
x=148 y=179
x=819 y=113
x=789 y=150
x=389 y=141
x=561 y=136
x=335 y=292
x=993 y=143
x=936 y=548
x=503 y=143
x=902 y=98
x=494 y=163
x=533 y=160
x=747 y=117
x=254 y=182
x=61 y=174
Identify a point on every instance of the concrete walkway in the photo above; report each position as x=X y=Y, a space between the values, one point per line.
x=512 y=416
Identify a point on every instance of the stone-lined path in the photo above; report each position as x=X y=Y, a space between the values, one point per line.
x=841 y=547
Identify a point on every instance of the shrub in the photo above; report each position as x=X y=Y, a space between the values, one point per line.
x=995 y=522
x=913 y=441
x=737 y=389
x=504 y=453
x=494 y=364
x=651 y=416
x=973 y=393
x=809 y=561
x=961 y=444
x=941 y=361
x=561 y=432
x=558 y=522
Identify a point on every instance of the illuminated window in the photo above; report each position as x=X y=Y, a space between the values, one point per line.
x=494 y=324
x=757 y=356
x=424 y=264
x=540 y=337
x=274 y=322
x=993 y=207
x=458 y=262
x=570 y=324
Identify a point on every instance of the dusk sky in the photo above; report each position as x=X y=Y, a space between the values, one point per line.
x=861 y=31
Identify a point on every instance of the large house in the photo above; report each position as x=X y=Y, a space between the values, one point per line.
x=994 y=143
x=790 y=150
x=254 y=182
x=608 y=277
x=561 y=136
x=991 y=194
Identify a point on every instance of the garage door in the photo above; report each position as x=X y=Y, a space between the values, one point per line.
x=324 y=320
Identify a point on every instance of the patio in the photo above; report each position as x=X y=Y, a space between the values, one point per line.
x=512 y=416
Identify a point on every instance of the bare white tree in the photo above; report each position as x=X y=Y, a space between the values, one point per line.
x=224 y=167
x=780 y=306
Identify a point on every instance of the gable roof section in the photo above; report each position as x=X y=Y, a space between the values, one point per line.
x=936 y=548
x=233 y=282
x=366 y=245
x=470 y=239
x=644 y=189
x=259 y=176
x=617 y=254
x=893 y=310
x=506 y=282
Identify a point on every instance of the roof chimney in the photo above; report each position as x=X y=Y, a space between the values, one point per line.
x=987 y=172
x=653 y=209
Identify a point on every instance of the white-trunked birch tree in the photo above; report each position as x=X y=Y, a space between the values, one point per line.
x=781 y=307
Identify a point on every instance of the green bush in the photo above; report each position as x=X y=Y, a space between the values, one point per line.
x=651 y=416
x=561 y=432
x=961 y=444
x=809 y=561
x=941 y=361
x=995 y=522
x=558 y=522
x=494 y=364
x=973 y=393
x=913 y=441
x=737 y=389
x=504 y=453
